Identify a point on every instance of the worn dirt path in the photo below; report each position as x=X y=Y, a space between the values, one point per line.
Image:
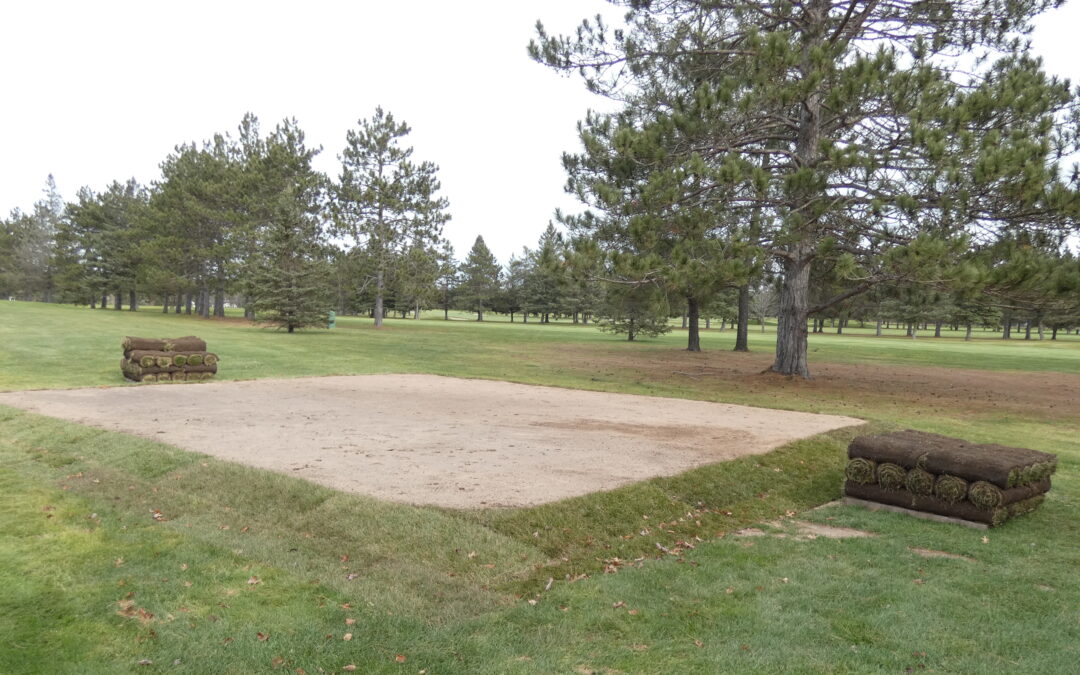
x=424 y=439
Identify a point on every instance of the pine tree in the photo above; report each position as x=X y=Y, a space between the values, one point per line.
x=479 y=278
x=384 y=202
x=852 y=126
x=291 y=279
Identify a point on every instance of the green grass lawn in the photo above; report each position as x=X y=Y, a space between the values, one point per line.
x=115 y=550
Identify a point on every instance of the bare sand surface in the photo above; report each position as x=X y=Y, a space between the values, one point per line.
x=425 y=439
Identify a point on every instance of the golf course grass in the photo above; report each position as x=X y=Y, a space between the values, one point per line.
x=119 y=554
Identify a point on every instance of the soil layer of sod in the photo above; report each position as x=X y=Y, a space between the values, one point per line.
x=442 y=441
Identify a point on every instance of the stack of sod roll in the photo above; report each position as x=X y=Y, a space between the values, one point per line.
x=183 y=359
x=948 y=476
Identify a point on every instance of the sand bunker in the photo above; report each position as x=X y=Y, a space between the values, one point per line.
x=424 y=439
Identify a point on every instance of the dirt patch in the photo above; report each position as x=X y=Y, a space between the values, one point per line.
x=930 y=553
x=831 y=532
x=916 y=390
x=425 y=439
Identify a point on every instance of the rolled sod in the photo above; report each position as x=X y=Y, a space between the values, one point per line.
x=150 y=377
x=188 y=343
x=861 y=470
x=210 y=358
x=920 y=482
x=964 y=510
x=891 y=476
x=989 y=496
x=1001 y=465
x=147 y=358
x=180 y=376
x=150 y=344
x=179 y=359
x=195 y=359
x=200 y=369
x=949 y=488
x=164 y=377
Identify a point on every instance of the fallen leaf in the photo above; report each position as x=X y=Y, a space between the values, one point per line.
x=263 y=637
x=118 y=562
x=146 y=662
x=919 y=581
x=187 y=584
x=729 y=590
x=346 y=637
x=345 y=558
x=184 y=566
x=346 y=606
x=254 y=580
x=472 y=554
x=351 y=576
x=277 y=661
x=227 y=640
x=245 y=528
x=784 y=580
x=632 y=612
x=986 y=540
x=532 y=601
x=699 y=643
x=618 y=604
x=349 y=668
x=349 y=622
x=400 y=658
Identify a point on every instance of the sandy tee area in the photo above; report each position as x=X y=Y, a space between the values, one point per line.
x=443 y=441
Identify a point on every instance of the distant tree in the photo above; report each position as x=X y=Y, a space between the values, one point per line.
x=479 y=278
x=383 y=201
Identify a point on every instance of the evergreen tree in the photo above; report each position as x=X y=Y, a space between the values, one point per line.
x=385 y=202
x=850 y=125
x=479 y=278
x=290 y=281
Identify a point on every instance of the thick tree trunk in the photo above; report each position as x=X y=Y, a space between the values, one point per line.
x=1027 y=330
x=479 y=311
x=708 y=323
x=791 y=320
x=446 y=312
x=575 y=316
x=1006 y=331
x=684 y=317
x=723 y=323
x=133 y=300
x=93 y=302
x=204 y=301
x=742 y=328
x=1042 y=332
x=877 y=329
x=379 y=287
x=630 y=331
x=219 y=299
x=693 y=338
x=967 y=334
x=118 y=300
x=165 y=304
x=1053 y=333
x=416 y=312
x=937 y=329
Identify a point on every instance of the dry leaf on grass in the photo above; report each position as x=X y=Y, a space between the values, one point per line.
x=400 y=658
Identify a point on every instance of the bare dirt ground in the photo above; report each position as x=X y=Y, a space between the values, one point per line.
x=424 y=439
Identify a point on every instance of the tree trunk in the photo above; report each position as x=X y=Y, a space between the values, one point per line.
x=575 y=316
x=723 y=323
x=416 y=313
x=219 y=299
x=93 y=302
x=684 y=317
x=379 y=286
x=877 y=330
x=133 y=301
x=446 y=312
x=708 y=323
x=165 y=304
x=792 y=317
x=204 y=301
x=967 y=334
x=1006 y=331
x=1027 y=330
x=742 y=328
x=937 y=329
x=630 y=330
x=1042 y=332
x=1053 y=333
x=118 y=300
x=479 y=311
x=291 y=328
x=693 y=338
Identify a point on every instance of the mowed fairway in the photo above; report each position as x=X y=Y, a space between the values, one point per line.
x=116 y=549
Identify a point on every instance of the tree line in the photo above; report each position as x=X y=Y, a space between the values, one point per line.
x=824 y=160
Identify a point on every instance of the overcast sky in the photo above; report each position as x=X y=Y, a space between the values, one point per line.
x=97 y=91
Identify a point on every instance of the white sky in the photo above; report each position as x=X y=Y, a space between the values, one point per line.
x=97 y=91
